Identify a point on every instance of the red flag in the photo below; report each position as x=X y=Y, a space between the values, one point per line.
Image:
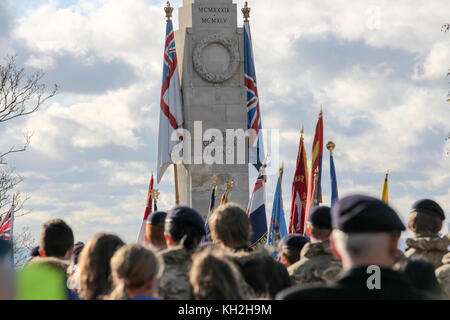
x=299 y=191
x=148 y=210
x=316 y=164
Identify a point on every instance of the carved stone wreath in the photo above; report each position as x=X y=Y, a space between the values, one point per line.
x=199 y=65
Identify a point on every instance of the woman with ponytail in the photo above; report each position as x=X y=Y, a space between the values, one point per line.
x=135 y=270
x=184 y=229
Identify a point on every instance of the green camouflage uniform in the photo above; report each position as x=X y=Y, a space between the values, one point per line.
x=174 y=283
x=431 y=248
x=317 y=265
x=443 y=276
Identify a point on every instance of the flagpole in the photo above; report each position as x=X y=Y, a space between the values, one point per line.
x=12 y=230
x=177 y=192
x=169 y=11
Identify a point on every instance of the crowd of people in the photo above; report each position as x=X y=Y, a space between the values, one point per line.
x=351 y=252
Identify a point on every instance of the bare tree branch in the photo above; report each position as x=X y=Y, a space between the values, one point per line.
x=20 y=95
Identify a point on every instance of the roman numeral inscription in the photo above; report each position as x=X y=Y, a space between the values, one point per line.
x=215 y=15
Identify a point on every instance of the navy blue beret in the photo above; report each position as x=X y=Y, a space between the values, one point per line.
x=428 y=206
x=157 y=218
x=320 y=217
x=364 y=214
x=185 y=215
x=293 y=242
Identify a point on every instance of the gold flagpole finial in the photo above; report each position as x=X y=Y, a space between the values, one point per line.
x=169 y=11
x=303 y=129
x=321 y=109
x=387 y=172
x=214 y=179
x=246 y=12
x=331 y=146
x=155 y=195
x=282 y=165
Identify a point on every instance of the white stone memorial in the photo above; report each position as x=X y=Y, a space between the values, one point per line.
x=210 y=50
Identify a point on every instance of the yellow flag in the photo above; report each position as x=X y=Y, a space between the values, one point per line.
x=384 y=194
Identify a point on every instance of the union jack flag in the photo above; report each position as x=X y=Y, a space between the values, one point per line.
x=171 y=115
x=255 y=144
x=6 y=226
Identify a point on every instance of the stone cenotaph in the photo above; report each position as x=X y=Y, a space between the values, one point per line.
x=210 y=50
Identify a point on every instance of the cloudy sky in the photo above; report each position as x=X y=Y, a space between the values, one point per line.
x=378 y=67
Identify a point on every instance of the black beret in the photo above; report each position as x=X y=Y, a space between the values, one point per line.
x=293 y=242
x=320 y=217
x=429 y=207
x=157 y=218
x=364 y=214
x=186 y=215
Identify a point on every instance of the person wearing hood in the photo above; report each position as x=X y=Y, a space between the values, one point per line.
x=426 y=220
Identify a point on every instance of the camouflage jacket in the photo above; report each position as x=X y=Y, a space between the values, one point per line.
x=317 y=265
x=443 y=276
x=430 y=248
x=174 y=283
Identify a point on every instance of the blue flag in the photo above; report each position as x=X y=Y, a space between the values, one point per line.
x=334 y=188
x=278 y=229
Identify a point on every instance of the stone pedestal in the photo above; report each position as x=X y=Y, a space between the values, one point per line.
x=210 y=50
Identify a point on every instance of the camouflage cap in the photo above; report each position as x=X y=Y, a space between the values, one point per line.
x=320 y=217
x=364 y=214
x=428 y=206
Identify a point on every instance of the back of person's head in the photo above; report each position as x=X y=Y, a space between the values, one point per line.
x=230 y=226
x=185 y=227
x=421 y=274
x=263 y=273
x=319 y=223
x=213 y=277
x=56 y=239
x=134 y=267
x=290 y=248
x=7 y=277
x=155 y=229
x=426 y=217
x=365 y=231
x=94 y=264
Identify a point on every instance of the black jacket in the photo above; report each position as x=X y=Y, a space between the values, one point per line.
x=353 y=286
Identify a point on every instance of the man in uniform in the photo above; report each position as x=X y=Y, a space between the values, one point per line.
x=425 y=220
x=317 y=264
x=365 y=238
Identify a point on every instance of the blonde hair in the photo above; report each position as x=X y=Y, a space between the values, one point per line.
x=230 y=225
x=133 y=265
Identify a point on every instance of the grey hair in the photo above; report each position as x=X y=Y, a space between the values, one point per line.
x=357 y=244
